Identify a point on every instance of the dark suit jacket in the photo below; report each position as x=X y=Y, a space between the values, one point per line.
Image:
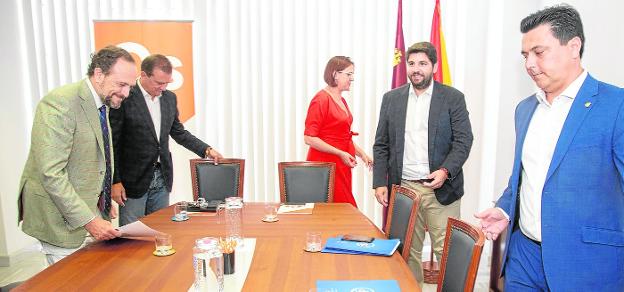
x=136 y=146
x=450 y=139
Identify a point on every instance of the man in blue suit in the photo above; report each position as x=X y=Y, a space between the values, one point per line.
x=564 y=205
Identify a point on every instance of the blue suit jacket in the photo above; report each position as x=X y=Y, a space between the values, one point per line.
x=582 y=199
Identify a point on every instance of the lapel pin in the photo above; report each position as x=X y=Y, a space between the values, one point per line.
x=587 y=104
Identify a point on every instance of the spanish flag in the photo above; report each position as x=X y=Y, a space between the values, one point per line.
x=437 y=39
x=399 y=75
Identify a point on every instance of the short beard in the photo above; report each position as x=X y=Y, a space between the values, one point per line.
x=108 y=101
x=424 y=83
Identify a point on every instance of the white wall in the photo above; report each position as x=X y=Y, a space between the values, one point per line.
x=16 y=120
x=258 y=63
x=513 y=85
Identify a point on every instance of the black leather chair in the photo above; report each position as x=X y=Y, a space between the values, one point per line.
x=217 y=182
x=460 y=261
x=402 y=211
x=307 y=182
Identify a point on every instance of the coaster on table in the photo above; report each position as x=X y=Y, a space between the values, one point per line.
x=264 y=219
x=165 y=253
x=173 y=218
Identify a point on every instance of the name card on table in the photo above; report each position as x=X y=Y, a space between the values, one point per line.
x=305 y=209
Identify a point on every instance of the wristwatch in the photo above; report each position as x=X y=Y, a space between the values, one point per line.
x=208 y=151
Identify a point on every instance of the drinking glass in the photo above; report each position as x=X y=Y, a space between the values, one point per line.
x=180 y=211
x=313 y=241
x=163 y=243
x=270 y=211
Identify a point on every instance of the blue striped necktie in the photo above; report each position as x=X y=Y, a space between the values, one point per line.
x=104 y=203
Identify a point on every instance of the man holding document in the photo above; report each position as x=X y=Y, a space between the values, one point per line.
x=64 y=199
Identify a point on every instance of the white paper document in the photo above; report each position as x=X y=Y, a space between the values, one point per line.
x=137 y=229
x=296 y=209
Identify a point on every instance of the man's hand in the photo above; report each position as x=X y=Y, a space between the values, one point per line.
x=118 y=194
x=101 y=229
x=381 y=193
x=438 y=176
x=347 y=159
x=493 y=222
x=214 y=154
x=113 y=211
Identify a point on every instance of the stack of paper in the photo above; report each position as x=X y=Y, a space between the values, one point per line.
x=380 y=247
x=296 y=209
x=137 y=229
x=365 y=285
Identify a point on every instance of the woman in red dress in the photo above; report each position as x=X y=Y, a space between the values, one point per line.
x=328 y=128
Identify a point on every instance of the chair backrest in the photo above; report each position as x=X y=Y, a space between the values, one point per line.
x=497 y=283
x=216 y=182
x=402 y=212
x=306 y=182
x=462 y=252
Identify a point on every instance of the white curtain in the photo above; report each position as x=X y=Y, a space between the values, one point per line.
x=263 y=61
x=258 y=64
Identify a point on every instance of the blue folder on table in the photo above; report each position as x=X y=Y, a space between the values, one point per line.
x=382 y=247
x=364 y=285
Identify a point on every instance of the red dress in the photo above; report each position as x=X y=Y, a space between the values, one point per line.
x=327 y=121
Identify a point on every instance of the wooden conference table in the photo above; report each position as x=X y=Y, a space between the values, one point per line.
x=279 y=262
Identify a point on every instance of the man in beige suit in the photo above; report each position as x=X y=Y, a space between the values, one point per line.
x=64 y=198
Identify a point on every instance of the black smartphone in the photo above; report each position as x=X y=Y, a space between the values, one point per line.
x=358 y=238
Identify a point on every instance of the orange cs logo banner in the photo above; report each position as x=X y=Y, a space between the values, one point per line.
x=173 y=39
